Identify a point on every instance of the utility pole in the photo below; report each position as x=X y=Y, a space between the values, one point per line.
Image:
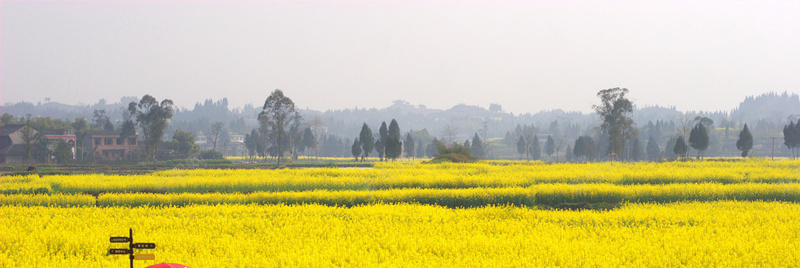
x=773 y=148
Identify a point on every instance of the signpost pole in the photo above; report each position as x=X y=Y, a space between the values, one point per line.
x=130 y=245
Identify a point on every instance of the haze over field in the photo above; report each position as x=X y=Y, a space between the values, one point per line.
x=527 y=56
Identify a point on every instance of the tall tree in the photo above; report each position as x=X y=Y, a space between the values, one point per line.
x=63 y=151
x=250 y=144
x=615 y=111
x=653 y=152
x=393 y=148
x=698 y=139
x=522 y=147
x=356 y=149
x=80 y=126
x=309 y=141
x=745 y=142
x=367 y=141
x=128 y=129
x=680 y=147
x=536 y=150
x=380 y=144
x=550 y=145
x=278 y=112
x=569 y=155
x=669 y=153
x=186 y=147
x=296 y=135
x=584 y=147
x=476 y=148
x=216 y=131
x=636 y=150
x=100 y=118
x=108 y=126
x=152 y=118
x=28 y=139
x=408 y=146
x=791 y=136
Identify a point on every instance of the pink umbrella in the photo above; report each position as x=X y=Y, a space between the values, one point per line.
x=168 y=265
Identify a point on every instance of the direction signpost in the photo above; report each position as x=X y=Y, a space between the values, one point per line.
x=129 y=251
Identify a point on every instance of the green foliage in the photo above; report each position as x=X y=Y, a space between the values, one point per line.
x=745 y=142
x=185 y=146
x=210 y=154
x=550 y=146
x=393 y=145
x=698 y=139
x=152 y=118
x=277 y=114
x=614 y=111
x=477 y=146
x=356 y=149
x=584 y=147
x=408 y=146
x=680 y=147
x=653 y=152
x=455 y=152
x=366 y=140
x=380 y=144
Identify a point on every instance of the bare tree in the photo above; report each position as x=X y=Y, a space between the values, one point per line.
x=450 y=133
x=216 y=131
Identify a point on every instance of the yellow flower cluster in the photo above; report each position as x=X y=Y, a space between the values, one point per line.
x=714 y=234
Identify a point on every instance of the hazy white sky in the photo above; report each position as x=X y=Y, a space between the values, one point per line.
x=527 y=56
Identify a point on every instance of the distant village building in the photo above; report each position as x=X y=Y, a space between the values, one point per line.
x=12 y=147
x=108 y=145
x=67 y=135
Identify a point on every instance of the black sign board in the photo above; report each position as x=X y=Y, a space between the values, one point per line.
x=131 y=245
x=120 y=239
x=119 y=251
x=144 y=245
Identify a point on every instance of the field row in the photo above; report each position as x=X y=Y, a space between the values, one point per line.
x=716 y=234
x=537 y=195
x=411 y=175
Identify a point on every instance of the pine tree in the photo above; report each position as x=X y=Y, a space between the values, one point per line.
x=636 y=153
x=522 y=147
x=569 y=155
x=536 y=151
x=367 y=141
x=408 y=146
x=652 y=150
x=745 y=142
x=477 y=146
x=680 y=147
x=394 y=148
x=356 y=149
x=550 y=146
x=380 y=144
x=698 y=139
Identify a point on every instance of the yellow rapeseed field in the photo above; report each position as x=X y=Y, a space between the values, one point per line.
x=413 y=175
x=409 y=214
x=713 y=234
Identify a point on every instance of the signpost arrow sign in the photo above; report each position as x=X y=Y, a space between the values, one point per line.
x=144 y=245
x=144 y=257
x=120 y=239
x=119 y=251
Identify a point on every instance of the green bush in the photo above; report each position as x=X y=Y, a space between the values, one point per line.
x=455 y=153
x=210 y=154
